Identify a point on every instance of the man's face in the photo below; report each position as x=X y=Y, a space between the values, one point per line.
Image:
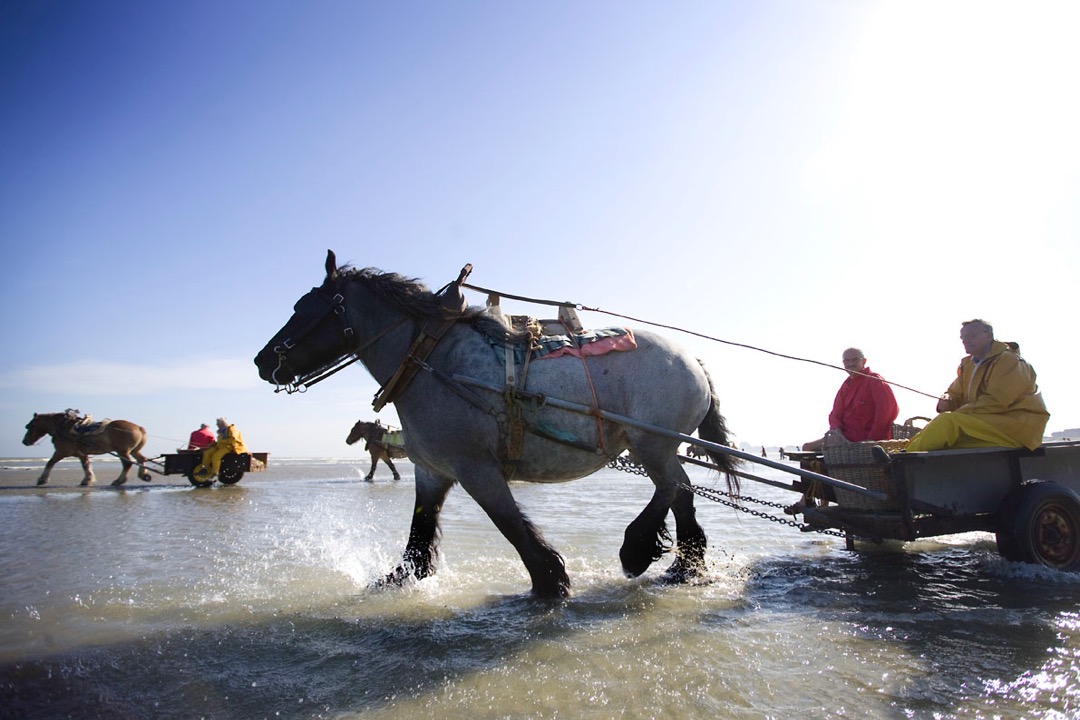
x=854 y=363
x=977 y=340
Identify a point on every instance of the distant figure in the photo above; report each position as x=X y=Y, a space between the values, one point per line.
x=994 y=401
x=201 y=438
x=864 y=408
x=228 y=441
x=763 y=453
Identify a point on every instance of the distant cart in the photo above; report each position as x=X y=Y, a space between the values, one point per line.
x=233 y=466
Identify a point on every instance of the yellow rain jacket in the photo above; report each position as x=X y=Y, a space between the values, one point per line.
x=1001 y=391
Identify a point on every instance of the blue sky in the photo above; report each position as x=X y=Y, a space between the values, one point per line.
x=799 y=176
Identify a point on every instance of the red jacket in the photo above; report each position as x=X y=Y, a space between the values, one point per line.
x=864 y=408
x=201 y=438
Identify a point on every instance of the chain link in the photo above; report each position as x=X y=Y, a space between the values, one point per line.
x=737 y=502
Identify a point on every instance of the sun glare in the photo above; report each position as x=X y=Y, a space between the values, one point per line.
x=959 y=123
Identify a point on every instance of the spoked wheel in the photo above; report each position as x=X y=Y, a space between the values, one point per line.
x=232 y=468
x=1047 y=526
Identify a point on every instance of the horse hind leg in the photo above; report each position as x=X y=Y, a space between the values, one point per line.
x=390 y=464
x=88 y=473
x=690 y=550
x=125 y=465
x=647 y=538
x=144 y=474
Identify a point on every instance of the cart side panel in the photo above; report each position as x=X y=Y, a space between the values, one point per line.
x=258 y=462
x=183 y=462
x=965 y=482
x=1059 y=462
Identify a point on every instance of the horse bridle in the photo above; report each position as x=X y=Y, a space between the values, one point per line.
x=335 y=305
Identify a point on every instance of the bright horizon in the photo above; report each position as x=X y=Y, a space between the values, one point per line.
x=800 y=177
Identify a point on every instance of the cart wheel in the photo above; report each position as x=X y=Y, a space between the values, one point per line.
x=1047 y=526
x=232 y=468
x=200 y=479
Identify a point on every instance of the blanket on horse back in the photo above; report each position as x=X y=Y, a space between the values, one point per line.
x=80 y=426
x=548 y=342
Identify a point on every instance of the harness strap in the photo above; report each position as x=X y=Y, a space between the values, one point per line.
x=431 y=332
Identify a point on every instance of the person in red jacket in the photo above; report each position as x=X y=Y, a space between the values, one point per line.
x=864 y=408
x=201 y=438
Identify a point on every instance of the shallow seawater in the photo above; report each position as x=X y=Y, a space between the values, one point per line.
x=256 y=601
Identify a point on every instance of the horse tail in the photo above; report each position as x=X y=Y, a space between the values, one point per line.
x=713 y=428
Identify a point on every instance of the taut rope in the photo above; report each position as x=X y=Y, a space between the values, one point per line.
x=580 y=306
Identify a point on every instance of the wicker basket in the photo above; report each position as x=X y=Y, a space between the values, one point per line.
x=854 y=463
x=908 y=429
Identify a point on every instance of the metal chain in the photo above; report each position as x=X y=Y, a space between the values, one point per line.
x=723 y=497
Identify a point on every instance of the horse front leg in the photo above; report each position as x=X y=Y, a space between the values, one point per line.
x=371 y=475
x=545 y=565
x=418 y=560
x=57 y=457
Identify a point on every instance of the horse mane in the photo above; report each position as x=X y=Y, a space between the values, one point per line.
x=415 y=299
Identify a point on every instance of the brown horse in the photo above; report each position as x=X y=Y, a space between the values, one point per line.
x=72 y=436
x=374 y=435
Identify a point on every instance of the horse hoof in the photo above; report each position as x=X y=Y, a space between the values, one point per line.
x=84 y=483
x=367 y=479
x=146 y=477
x=117 y=483
x=42 y=481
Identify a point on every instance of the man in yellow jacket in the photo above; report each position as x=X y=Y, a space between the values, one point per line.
x=994 y=401
x=228 y=441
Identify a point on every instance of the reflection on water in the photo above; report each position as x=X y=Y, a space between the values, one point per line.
x=255 y=600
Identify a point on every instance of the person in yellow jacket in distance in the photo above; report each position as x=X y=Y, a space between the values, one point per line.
x=228 y=441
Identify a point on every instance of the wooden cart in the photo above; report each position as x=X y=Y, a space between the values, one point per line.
x=233 y=466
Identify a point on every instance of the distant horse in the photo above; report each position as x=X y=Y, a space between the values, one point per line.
x=73 y=437
x=374 y=436
x=458 y=430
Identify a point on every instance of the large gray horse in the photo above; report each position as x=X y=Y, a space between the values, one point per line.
x=461 y=423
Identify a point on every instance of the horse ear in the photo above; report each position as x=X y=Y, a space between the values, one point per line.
x=331 y=266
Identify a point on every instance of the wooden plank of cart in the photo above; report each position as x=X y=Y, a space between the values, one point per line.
x=233 y=466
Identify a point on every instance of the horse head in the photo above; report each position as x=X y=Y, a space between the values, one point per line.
x=317 y=336
x=360 y=431
x=38 y=427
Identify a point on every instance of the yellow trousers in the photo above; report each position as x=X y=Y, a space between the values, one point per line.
x=212 y=456
x=959 y=430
